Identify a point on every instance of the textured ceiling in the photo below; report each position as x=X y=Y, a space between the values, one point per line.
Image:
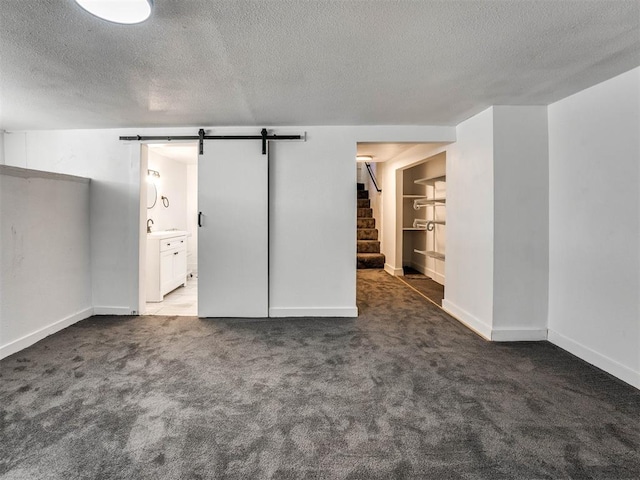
x=303 y=62
x=381 y=152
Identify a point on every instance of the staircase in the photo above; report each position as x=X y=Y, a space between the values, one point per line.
x=368 y=255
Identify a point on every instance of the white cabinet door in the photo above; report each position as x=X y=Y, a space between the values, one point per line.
x=180 y=267
x=233 y=248
x=166 y=272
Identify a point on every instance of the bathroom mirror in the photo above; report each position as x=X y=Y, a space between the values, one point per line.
x=152 y=195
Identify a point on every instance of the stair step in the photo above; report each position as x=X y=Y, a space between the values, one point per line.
x=368 y=246
x=360 y=186
x=366 y=223
x=370 y=260
x=365 y=213
x=367 y=234
x=363 y=194
x=364 y=203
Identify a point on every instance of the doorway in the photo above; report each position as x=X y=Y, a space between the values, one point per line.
x=169 y=236
x=424 y=219
x=409 y=211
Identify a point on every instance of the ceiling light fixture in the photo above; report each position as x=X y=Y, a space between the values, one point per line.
x=126 y=12
x=364 y=158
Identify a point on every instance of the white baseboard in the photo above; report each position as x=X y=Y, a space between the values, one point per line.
x=467 y=319
x=603 y=362
x=112 y=311
x=396 y=272
x=435 y=276
x=313 y=311
x=518 y=334
x=33 y=337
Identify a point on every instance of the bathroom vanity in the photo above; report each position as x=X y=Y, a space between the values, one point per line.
x=166 y=263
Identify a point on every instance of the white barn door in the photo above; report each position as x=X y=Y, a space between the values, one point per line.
x=233 y=239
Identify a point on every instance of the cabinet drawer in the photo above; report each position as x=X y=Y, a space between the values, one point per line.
x=173 y=243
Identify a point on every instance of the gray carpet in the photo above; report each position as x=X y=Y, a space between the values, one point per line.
x=403 y=391
x=429 y=288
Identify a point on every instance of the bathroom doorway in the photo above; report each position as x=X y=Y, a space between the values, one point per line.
x=169 y=236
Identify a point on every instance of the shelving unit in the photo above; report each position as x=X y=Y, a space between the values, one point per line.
x=424 y=201
x=431 y=181
x=432 y=201
x=431 y=254
x=423 y=216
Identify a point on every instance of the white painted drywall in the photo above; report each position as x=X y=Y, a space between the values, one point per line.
x=470 y=228
x=1 y=147
x=312 y=226
x=114 y=168
x=142 y=228
x=387 y=228
x=45 y=274
x=313 y=218
x=172 y=184
x=496 y=269
x=192 y=218
x=521 y=222
x=594 y=225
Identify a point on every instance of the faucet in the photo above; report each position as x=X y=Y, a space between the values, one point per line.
x=149 y=226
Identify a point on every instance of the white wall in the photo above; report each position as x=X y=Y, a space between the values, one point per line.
x=594 y=232
x=312 y=228
x=173 y=185
x=313 y=201
x=521 y=222
x=192 y=218
x=469 y=265
x=496 y=270
x=45 y=274
x=313 y=224
x=114 y=168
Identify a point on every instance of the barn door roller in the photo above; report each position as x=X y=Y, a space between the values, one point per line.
x=202 y=136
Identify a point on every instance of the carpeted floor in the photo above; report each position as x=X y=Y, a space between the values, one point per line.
x=403 y=391
x=429 y=288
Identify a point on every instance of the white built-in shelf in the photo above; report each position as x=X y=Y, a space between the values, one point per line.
x=430 y=180
x=432 y=254
x=416 y=196
x=418 y=221
x=412 y=229
x=428 y=202
x=436 y=255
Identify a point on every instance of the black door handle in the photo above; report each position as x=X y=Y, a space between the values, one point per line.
x=199 y=219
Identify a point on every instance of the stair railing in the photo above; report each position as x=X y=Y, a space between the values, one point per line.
x=373 y=177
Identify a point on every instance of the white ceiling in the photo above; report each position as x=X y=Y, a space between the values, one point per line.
x=381 y=152
x=312 y=62
x=180 y=152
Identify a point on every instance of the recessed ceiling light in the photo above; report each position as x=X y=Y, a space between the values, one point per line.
x=364 y=158
x=118 y=11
